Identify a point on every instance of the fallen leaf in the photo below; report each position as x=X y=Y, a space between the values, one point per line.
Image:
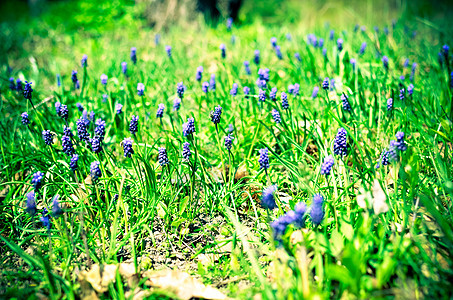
x=182 y=284
x=98 y=280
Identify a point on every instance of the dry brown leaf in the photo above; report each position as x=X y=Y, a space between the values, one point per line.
x=98 y=280
x=182 y=284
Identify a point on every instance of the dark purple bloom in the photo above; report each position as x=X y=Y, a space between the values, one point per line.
x=230 y=128
x=160 y=110
x=297 y=56
x=127 y=147
x=162 y=157
x=406 y=63
x=124 y=67
x=353 y=62
x=168 y=50
x=284 y=98
x=385 y=62
x=84 y=61
x=276 y=116
x=176 y=104
x=134 y=55
x=229 y=23
x=384 y=159
x=263 y=74
x=299 y=219
x=325 y=83
x=389 y=104
x=362 y=48
x=199 y=73
x=273 y=94
x=186 y=151
x=223 y=50
x=392 y=152
x=57 y=108
x=340 y=143
x=74 y=76
x=410 y=89
x=204 y=87
x=64 y=112
x=180 y=90
x=25 y=119
x=324 y=52
x=327 y=165
x=290 y=88
x=73 y=162
x=332 y=84
x=345 y=101
x=234 y=90
x=77 y=85
x=229 y=142
x=140 y=89
x=256 y=59
x=400 y=143
x=27 y=90
x=79 y=106
x=402 y=94
x=19 y=85
x=104 y=79
x=188 y=128
x=268 y=199
x=96 y=144
x=274 y=42
x=296 y=88
x=45 y=219
x=56 y=208
x=445 y=50
x=261 y=95
x=278 y=52
x=47 y=137
x=37 y=180
x=332 y=34
x=261 y=83
x=12 y=84
x=119 y=108
x=133 y=126
x=95 y=171
x=67 y=145
x=247 y=67
x=340 y=45
x=216 y=114
x=30 y=207
x=212 y=83
x=317 y=212
x=246 y=91
x=264 y=159
x=100 y=129
x=315 y=92
x=67 y=131
x=321 y=43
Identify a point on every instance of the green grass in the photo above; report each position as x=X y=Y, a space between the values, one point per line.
x=205 y=216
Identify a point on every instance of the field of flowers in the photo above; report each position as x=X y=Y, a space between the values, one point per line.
x=242 y=161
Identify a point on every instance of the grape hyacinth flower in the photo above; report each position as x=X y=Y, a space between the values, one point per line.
x=401 y=144
x=67 y=131
x=317 y=213
x=229 y=142
x=276 y=116
x=95 y=171
x=332 y=84
x=261 y=95
x=27 y=90
x=234 y=90
x=96 y=144
x=134 y=55
x=290 y=88
x=30 y=206
x=168 y=50
x=64 y=112
x=58 y=80
x=57 y=108
x=340 y=145
x=284 y=97
x=246 y=91
x=445 y=50
x=74 y=76
x=392 y=152
x=162 y=157
x=327 y=165
x=12 y=84
x=82 y=130
x=315 y=92
x=77 y=85
x=264 y=159
x=100 y=128
x=389 y=104
x=229 y=23
x=230 y=128
x=345 y=101
x=79 y=106
x=188 y=128
x=37 y=180
x=274 y=42
x=180 y=90
x=278 y=52
x=133 y=126
x=362 y=48
x=119 y=108
x=296 y=89
x=45 y=220
x=384 y=159
x=324 y=52
x=56 y=208
x=262 y=84
x=104 y=79
x=273 y=94
x=25 y=119
x=332 y=34
x=84 y=61
x=212 y=83
x=127 y=147
x=256 y=58
x=186 y=151
x=140 y=89
x=222 y=50
x=176 y=104
x=325 y=83
x=297 y=56
x=353 y=63
x=47 y=137
x=73 y=162
x=385 y=62
x=263 y=74
x=299 y=219
x=247 y=67
x=279 y=226
x=124 y=68
x=216 y=114
x=340 y=45
x=199 y=73
x=402 y=94
x=19 y=85
x=67 y=145
x=160 y=110
x=268 y=198
x=406 y=63
x=410 y=89
x=205 y=87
